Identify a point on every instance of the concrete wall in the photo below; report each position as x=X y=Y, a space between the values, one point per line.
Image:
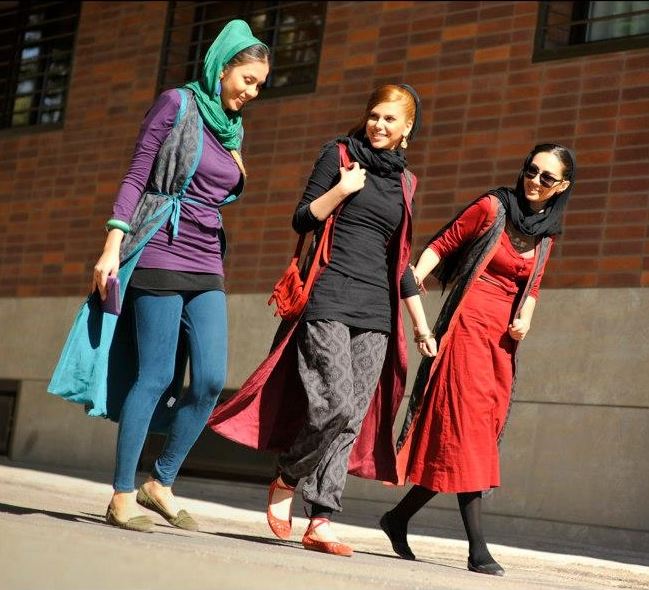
x=574 y=456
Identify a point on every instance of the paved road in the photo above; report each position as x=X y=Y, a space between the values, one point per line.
x=53 y=537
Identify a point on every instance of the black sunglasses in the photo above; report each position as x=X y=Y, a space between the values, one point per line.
x=545 y=178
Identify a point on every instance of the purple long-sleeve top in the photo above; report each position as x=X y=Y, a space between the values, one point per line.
x=197 y=247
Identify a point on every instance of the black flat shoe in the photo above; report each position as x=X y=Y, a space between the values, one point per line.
x=401 y=548
x=491 y=569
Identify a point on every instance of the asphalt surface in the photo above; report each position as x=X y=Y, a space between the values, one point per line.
x=53 y=536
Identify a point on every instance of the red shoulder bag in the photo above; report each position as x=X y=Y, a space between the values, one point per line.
x=292 y=291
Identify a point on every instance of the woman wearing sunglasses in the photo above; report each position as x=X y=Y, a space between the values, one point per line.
x=493 y=253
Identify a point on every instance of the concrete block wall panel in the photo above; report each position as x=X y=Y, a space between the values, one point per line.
x=573 y=454
x=51 y=431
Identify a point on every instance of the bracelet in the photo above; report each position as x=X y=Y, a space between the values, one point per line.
x=423 y=337
x=117 y=224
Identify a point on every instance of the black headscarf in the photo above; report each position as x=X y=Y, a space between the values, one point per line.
x=416 y=124
x=388 y=163
x=518 y=211
x=522 y=216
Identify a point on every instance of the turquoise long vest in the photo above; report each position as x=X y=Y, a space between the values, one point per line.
x=99 y=360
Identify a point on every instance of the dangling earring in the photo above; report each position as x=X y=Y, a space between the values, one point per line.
x=404 y=142
x=217 y=89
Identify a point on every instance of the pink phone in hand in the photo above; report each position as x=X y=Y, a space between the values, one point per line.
x=112 y=303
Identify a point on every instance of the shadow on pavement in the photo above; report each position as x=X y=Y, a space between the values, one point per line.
x=258 y=539
x=249 y=495
x=23 y=510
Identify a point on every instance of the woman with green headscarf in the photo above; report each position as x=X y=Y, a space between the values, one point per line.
x=185 y=166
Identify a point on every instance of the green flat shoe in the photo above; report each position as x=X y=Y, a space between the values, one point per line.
x=182 y=520
x=142 y=524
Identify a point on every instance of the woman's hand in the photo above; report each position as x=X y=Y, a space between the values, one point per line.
x=426 y=343
x=107 y=265
x=518 y=329
x=352 y=179
x=428 y=347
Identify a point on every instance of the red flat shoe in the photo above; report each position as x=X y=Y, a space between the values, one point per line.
x=331 y=547
x=281 y=528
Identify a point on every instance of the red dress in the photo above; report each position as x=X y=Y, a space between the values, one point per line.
x=456 y=446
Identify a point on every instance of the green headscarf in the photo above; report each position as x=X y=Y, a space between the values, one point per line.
x=226 y=125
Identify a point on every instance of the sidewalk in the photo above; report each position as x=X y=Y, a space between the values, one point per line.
x=53 y=536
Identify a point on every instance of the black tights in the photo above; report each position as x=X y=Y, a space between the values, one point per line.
x=470 y=507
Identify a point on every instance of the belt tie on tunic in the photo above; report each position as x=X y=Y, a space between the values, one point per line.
x=175 y=202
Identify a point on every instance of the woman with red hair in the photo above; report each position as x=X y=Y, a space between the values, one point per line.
x=327 y=395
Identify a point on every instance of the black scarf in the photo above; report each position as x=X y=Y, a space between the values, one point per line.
x=518 y=211
x=386 y=163
x=523 y=217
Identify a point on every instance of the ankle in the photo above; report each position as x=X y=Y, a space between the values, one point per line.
x=320 y=528
x=397 y=522
x=479 y=554
x=320 y=512
x=154 y=485
x=287 y=481
x=122 y=497
x=123 y=502
x=395 y=517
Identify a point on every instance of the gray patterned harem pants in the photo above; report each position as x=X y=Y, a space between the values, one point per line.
x=340 y=368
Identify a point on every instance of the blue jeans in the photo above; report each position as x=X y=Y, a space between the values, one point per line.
x=157 y=324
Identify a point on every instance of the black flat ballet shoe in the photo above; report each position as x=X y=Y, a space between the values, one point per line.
x=491 y=569
x=401 y=548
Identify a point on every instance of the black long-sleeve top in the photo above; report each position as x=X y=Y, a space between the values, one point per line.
x=355 y=288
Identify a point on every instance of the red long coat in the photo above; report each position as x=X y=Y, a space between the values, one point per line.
x=269 y=409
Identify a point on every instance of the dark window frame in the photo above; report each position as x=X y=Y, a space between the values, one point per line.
x=245 y=14
x=577 y=47
x=50 y=57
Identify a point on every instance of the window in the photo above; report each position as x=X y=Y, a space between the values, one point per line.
x=36 y=48
x=567 y=29
x=292 y=30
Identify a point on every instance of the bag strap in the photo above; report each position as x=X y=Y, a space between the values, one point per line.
x=319 y=256
x=327 y=234
x=323 y=251
x=345 y=161
x=298 y=249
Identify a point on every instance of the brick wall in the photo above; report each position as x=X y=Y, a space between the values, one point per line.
x=57 y=187
x=485 y=104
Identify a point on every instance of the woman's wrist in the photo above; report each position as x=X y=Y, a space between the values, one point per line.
x=341 y=193
x=117 y=224
x=113 y=242
x=422 y=333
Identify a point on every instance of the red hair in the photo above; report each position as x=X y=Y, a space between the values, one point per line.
x=387 y=93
